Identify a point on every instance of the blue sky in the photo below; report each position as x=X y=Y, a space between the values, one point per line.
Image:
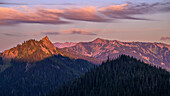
x=83 y=20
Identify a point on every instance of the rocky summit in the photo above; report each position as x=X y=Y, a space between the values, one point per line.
x=32 y=50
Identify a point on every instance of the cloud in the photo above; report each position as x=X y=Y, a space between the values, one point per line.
x=14 y=35
x=7 y=3
x=78 y=31
x=127 y=11
x=69 y=32
x=89 y=14
x=83 y=14
x=59 y=4
x=11 y=16
x=165 y=38
x=50 y=33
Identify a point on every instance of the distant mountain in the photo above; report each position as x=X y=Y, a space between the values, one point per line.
x=125 y=76
x=38 y=78
x=63 y=45
x=32 y=51
x=153 y=53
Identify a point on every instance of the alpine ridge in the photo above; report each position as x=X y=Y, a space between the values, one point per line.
x=63 y=45
x=152 y=53
x=33 y=51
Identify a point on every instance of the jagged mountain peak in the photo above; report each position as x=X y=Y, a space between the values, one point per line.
x=32 y=50
x=99 y=40
x=45 y=41
x=45 y=38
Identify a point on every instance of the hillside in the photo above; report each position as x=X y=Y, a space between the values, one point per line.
x=38 y=78
x=124 y=76
x=152 y=53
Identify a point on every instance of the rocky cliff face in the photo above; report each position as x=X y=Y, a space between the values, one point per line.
x=153 y=53
x=32 y=50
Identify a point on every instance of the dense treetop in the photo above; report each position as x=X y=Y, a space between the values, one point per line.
x=124 y=76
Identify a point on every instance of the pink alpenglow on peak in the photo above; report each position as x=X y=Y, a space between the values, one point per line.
x=151 y=53
x=63 y=45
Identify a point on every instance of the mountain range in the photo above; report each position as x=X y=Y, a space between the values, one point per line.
x=34 y=68
x=157 y=54
x=33 y=50
x=96 y=51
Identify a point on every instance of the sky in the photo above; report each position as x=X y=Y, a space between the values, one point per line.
x=83 y=20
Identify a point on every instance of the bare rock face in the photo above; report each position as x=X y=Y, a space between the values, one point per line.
x=32 y=50
x=46 y=42
x=152 y=53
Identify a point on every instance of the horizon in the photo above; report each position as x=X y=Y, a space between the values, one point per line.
x=84 y=21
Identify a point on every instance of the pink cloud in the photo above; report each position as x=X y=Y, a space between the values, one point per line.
x=165 y=38
x=114 y=8
x=127 y=11
x=83 y=14
x=14 y=16
x=10 y=16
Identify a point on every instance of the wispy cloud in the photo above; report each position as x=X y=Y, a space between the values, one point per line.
x=69 y=32
x=8 y=3
x=129 y=10
x=14 y=34
x=50 y=33
x=78 y=31
x=13 y=16
x=58 y=4
x=83 y=14
x=165 y=38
